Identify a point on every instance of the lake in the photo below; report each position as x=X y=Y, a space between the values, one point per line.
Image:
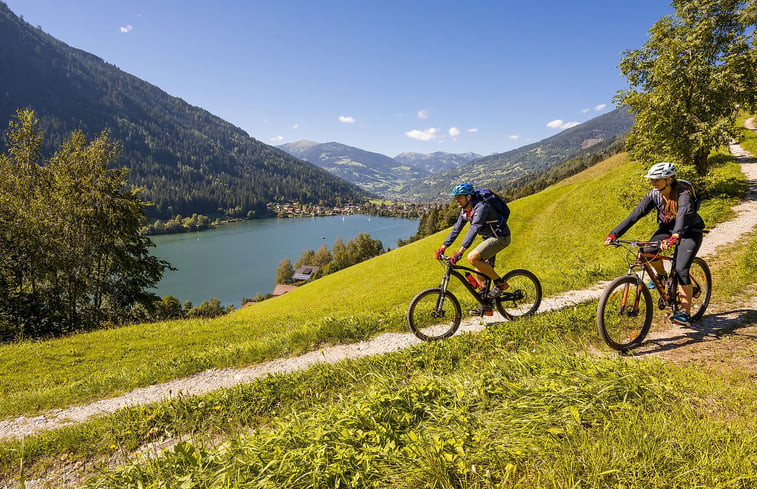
x=240 y=259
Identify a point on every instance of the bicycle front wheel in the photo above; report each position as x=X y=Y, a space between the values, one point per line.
x=434 y=314
x=701 y=281
x=624 y=313
x=522 y=297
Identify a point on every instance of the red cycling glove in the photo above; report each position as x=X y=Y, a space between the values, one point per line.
x=453 y=259
x=439 y=252
x=670 y=241
x=610 y=237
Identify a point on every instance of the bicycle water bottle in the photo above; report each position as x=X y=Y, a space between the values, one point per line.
x=471 y=280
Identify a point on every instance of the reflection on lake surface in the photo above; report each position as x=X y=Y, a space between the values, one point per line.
x=239 y=259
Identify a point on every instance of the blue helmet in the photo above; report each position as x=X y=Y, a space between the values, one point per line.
x=462 y=189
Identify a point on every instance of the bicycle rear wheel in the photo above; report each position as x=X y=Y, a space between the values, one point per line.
x=701 y=280
x=522 y=297
x=624 y=313
x=434 y=315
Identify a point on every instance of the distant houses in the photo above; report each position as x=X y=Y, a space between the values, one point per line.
x=283 y=289
x=302 y=273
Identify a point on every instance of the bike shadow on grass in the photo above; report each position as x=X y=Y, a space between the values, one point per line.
x=710 y=327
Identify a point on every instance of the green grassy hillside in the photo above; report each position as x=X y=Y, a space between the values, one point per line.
x=519 y=405
x=557 y=234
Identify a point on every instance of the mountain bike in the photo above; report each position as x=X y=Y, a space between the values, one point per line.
x=625 y=307
x=435 y=313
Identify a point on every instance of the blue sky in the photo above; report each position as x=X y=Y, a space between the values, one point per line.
x=386 y=76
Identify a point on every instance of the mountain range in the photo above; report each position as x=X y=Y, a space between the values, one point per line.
x=187 y=159
x=376 y=173
x=497 y=170
x=428 y=177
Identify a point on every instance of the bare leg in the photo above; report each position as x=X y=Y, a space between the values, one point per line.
x=480 y=265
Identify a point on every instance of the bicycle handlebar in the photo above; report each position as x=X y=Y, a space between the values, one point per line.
x=638 y=244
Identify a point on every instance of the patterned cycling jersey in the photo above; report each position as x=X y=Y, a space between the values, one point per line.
x=685 y=220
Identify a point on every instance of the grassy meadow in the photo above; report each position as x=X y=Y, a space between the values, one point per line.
x=516 y=405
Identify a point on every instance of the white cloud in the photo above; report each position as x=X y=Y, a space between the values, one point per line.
x=454 y=132
x=277 y=139
x=514 y=137
x=296 y=126
x=422 y=114
x=585 y=110
x=347 y=119
x=560 y=124
x=600 y=107
x=425 y=135
x=126 y=28
x=473 y=129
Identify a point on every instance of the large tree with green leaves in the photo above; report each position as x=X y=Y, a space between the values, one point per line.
x=71 y=252
x=689 y=80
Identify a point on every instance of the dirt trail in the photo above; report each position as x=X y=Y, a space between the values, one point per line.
x=214 y=379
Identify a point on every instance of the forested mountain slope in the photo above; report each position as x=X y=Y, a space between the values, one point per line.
x=187 y=159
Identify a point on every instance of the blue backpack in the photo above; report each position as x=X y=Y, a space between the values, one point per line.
x=495 y=202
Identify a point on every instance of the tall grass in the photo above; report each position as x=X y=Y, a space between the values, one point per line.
x=557 y=234
x=540 y=418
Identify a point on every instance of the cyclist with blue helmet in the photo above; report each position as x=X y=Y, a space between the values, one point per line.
x=484 y=221
x=679 y=224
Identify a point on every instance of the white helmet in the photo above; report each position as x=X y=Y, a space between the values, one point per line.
x=661 y=170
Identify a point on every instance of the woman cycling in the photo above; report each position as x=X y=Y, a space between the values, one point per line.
x=484 y=220
x=679 y=223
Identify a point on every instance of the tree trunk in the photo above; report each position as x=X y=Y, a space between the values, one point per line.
x=700 y=160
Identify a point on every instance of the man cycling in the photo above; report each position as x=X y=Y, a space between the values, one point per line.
x=484 y=220
x=679 y=223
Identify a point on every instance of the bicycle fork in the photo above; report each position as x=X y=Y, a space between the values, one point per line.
x=442 y=294
x=636 y=296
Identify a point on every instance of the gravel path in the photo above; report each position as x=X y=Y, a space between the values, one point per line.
x=214 y=379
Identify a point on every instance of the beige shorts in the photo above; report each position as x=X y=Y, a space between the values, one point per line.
x=491 y=246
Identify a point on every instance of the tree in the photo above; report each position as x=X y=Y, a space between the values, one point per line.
x=322 y=257
x=284 y=272
x=168 y=307
x=305 y=259
x=688 y=81
x=70 y=242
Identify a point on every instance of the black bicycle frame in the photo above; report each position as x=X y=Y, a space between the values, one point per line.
x=452 y=270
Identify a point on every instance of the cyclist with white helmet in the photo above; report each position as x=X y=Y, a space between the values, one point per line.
x=484 y=220
x=679 y=223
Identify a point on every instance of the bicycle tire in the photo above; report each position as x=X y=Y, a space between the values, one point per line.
x=425 y=319
x=702 y=281
x=621 y=334
x=522 y=297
